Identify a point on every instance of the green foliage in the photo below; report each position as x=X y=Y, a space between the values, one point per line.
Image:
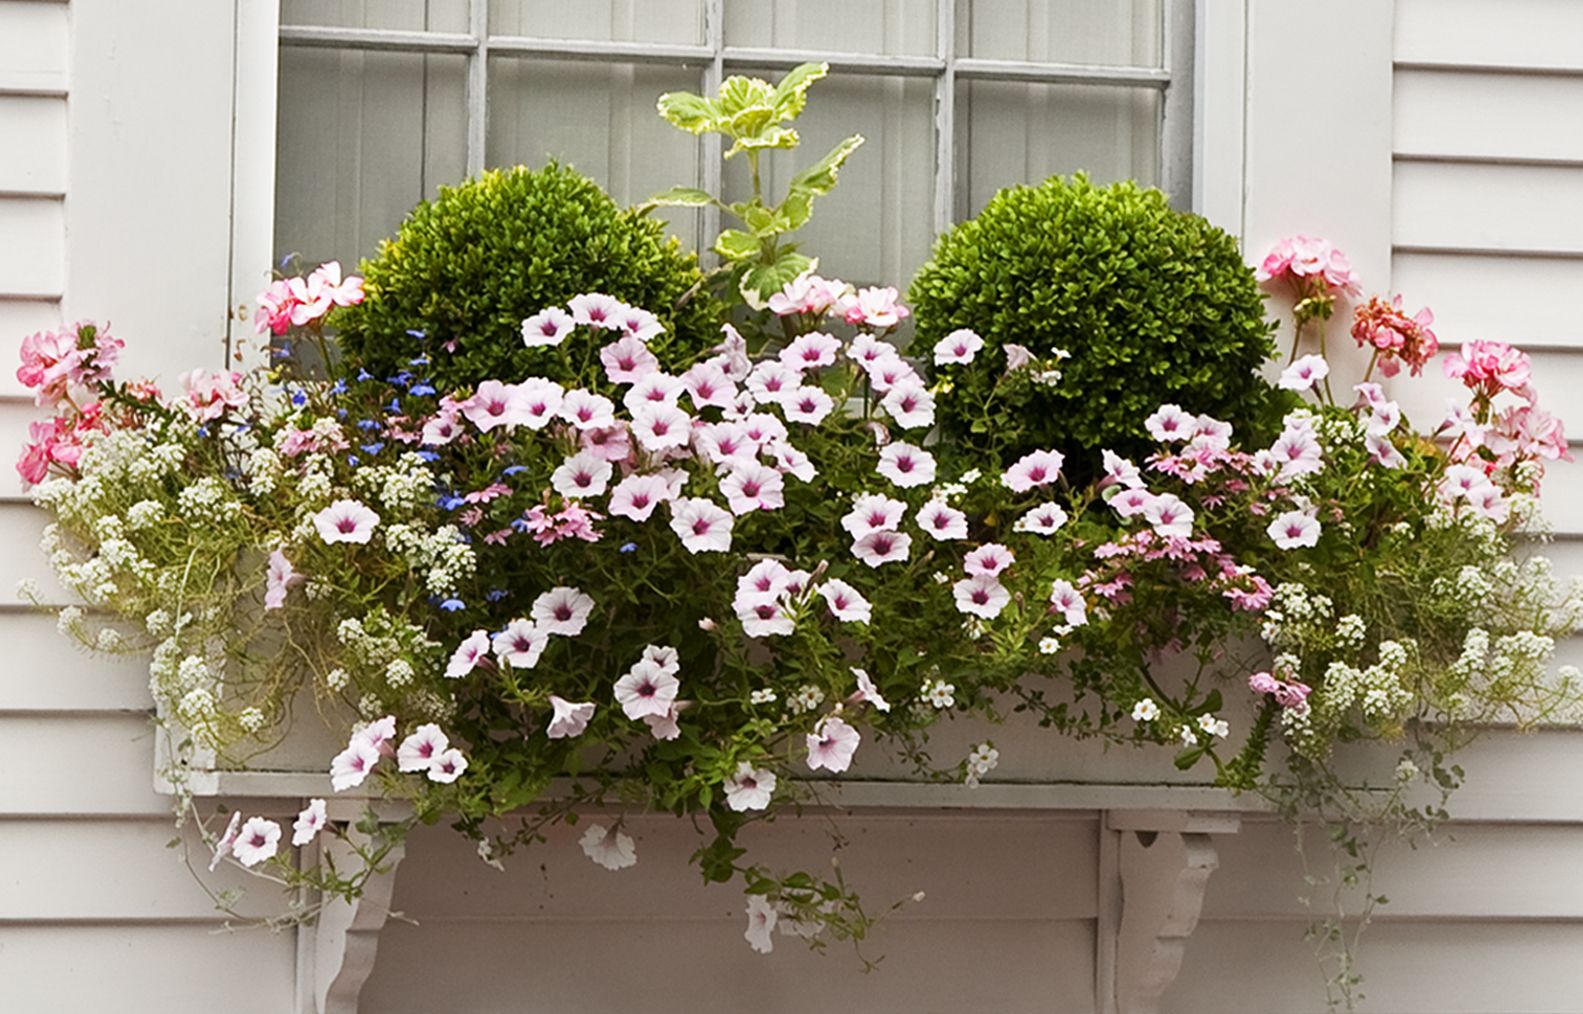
x=469 y=266
x=753 y=114
x=1153 y=305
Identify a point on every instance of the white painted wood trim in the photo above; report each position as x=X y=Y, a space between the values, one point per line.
x=1164 y=876
x=1219 y=101
x=253 y=111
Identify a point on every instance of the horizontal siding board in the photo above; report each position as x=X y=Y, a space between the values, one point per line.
x=1408 y=968
x=1499 y=116
x=33 y=136
x=170 y=969
x=1488 y=207
x=961 y=865
x=1261 y=876
x=1479 y=296
x=57 y=871
x=47 y=671
x=33 y=256
x=1519 y=33
x=34 y=38
x=21 y=527
x=927 y=968
x=45 y=773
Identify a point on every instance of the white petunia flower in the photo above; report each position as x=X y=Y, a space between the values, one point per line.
x=750 y=788
x=761 y=923
x=351 y=766
x=418 y=751
x=346 y=521
x=646 y=689
x=1293 y=530
x=521 y=644
x=611 y=848
x=569 y=719
x=258 y=840
x=832 y=744
x=468 y=654
x=562 y=610
x=309 y=822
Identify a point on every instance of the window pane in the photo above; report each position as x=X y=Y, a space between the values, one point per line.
x=411 y=15
x=884 y=26
x=876 y=226
x=674 y=21
x=1010 y=133
x=1113 y=32
x=599 y=118
x=362 y=138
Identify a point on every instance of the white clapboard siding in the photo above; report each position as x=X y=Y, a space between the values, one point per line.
x=1477 y=295
x=33 y=256
x=1528 y=35
x=1511 y=209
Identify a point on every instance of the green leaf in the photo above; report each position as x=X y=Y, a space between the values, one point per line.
x=676 y=197
x=692 y=113
x=775 y=137
x=1187 y=758
x=761 y=281
x=738 y=93
x=736 y=245
x=791 y=95
x=820 y=177
x=751 y=122
x=796 y=209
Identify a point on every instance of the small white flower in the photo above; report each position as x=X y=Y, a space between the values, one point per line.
x=257 y=841
x=611 y=848
x=1188 y=737
x=1145 y=711
x=309 y=822
x=940 y=694
x=763 y=696
x=1216 y=727
x=1049 y=646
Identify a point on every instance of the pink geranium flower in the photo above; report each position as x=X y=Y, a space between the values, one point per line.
x=280 y=577
x=1395 y=337
x=597 y=310
x=845 y=602
x=702 y=526
x=210 y=394
x=646 y=689
x=568 y=719
x=275 y=306
x=832 y=744
x=1488 y=368
x=881 y=547
x=547 y=328
x=982 y=596
x=876 y=307
x=960 y=346
x=1037 y=468
x=626 y=360
x=941 y=521
x=468 y=654
x=346 y=521
x=905 y=465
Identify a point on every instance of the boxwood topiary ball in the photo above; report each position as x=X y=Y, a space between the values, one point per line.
x=1153 y=305
x=470 y=265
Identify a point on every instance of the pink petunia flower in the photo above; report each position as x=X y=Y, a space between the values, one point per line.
x=1131 y=502
x=749 y=788
x=788 y=460
x=627 y=360
x=832 y=744
x=309 y=822
x=762 y=916
x=766 y=577
x=520 y=644
x=351 y=766
x=447 y=766
x=586 y=410
x=655 y=388
x=810 y=351
x=495 y=404
x=981 y=596
x=941 y=521
x=280 y=577
x=1169 y=515
x=639 y=323
x=881 y=547
x=763 y=615
x=1066 y=600
x=1294 y=530
x=1037 y=468
x=709 y=385
x=725 y=442
x=612 y=443
x=872 y=512
x=771 y=379
x=418 y=751
x=568 y=719
x=886 y=373
x=547 y=328
x=1170 y=423
x=582 y=474
x=646 y=689
x=1304 y=373
x=468 y=654
x=346 y=521
x=906 y=465
x=562 y=611
x=751 y=486
x=845 y=602
x=441 y=429
x=258 y=840
x=910 y=404
x=1120 y=471
x=808 y=405
x=636 y=496
x=731 y=355
x=658 y=426
x=988 y=560
x=762 y=428
x=222 y=847
x=702 y=526
x=597 y=310
x=866 y=349
x=958 y=347
x=1045 y=519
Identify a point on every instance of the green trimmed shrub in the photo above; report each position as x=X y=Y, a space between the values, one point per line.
x=1153 y=305
x=470 y=265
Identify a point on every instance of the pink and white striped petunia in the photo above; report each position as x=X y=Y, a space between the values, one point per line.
x=280 y=577
x=562 y=611
x=352 y=765
x=810 y=351
x=881 y=547
x=448 y=766
x=910 y=404
x=982 y=596
x=1066 y=600
x=832 y=744
x=636 y=496
x=582 y=474
x=468 y=654
x=309 y=822
x=906 y=465
x=586 y=410
x=346 y=521
x=626 y=360
x=751 y=486
x=846 y=603
x=702 y=526
x=872 y=512
x=569 y=719
x=417 y=751
x=1037 y=468
x=520 y=644
x=548 y=327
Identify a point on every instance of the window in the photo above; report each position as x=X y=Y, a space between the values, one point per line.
x=383 y=101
